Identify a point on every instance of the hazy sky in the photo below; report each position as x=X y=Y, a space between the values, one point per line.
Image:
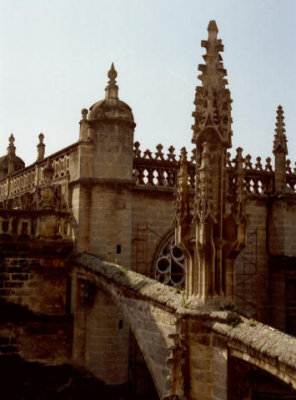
x=55 y=55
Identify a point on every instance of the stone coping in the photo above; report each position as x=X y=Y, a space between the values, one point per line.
x=270 y=342
x=146 y=288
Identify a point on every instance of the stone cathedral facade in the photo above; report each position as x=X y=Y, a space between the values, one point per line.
x=221 y=230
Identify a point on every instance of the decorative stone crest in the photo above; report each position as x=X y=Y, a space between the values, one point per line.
x=111 y=90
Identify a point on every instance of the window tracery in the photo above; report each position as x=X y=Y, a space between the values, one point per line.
x=170 y=267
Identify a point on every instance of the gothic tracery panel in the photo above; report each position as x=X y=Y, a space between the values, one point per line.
x=170 y=267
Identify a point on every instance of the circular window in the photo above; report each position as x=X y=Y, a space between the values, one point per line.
x=170 y=265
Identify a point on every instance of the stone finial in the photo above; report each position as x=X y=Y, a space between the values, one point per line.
x=159 y=153
x=212 y=29
x=11 y=146
x=84 y=133
x=171 y=156
x=212 y=98
x=183 y=156
x=239 y=160
x=40 y=148
x=84 y=113
x=212 y=26
x=137 y=151
x=280 y=139
x=111 y=90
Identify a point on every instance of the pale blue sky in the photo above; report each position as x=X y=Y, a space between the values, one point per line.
x=55 y=55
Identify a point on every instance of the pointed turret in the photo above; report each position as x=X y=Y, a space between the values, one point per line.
x=280 y=151
x=111 y=90
x=212 y=99
x=280 y=139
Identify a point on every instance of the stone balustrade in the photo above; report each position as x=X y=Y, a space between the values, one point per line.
x=159 y=170
x=150 y=170
x=33 y=176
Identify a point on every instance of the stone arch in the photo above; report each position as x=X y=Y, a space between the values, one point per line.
x=98 y=343
x=247 y=380
x=169 y=264
x=266 y=364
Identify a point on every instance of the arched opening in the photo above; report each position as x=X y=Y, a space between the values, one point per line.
x=247 y=382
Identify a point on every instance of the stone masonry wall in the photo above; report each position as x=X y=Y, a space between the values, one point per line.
x=207 y=362
x=152 y=216
x=106 y=340
x=252 y=265
x=110 y=224
x=38 y=284
x=282 y=228
x=35 y=301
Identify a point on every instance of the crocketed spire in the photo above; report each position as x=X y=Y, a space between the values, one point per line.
x=111 y=90
x=212 y=99
x=280 y=139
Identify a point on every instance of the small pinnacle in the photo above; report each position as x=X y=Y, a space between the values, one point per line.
x=41 y=137
x=112 y=74
x=84 y=113
x=111 y=90
x=11 y=146
x=280 y=140
x=11 y=139
x=212 y=26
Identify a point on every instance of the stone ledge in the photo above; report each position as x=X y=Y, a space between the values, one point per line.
x=263 y=342
x=147 y=288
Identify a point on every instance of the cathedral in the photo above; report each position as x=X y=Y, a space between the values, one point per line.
x=83 y=228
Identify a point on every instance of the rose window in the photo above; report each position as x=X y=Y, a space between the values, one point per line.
x=170 y=265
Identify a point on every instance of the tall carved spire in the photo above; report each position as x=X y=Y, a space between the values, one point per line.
x=214 y=233
x=212 y=99
x=111 y=90
x=280 y=140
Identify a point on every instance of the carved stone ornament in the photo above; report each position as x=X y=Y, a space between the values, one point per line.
x=212 y=99
x=182 y=189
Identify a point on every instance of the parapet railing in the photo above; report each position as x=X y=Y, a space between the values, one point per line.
x=159 y=170
x=150 y=170
x=33 y=175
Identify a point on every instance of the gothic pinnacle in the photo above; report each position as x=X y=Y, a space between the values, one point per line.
x=111 y=91
x=212 y=98
x=112 y=74
x=280 y=139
